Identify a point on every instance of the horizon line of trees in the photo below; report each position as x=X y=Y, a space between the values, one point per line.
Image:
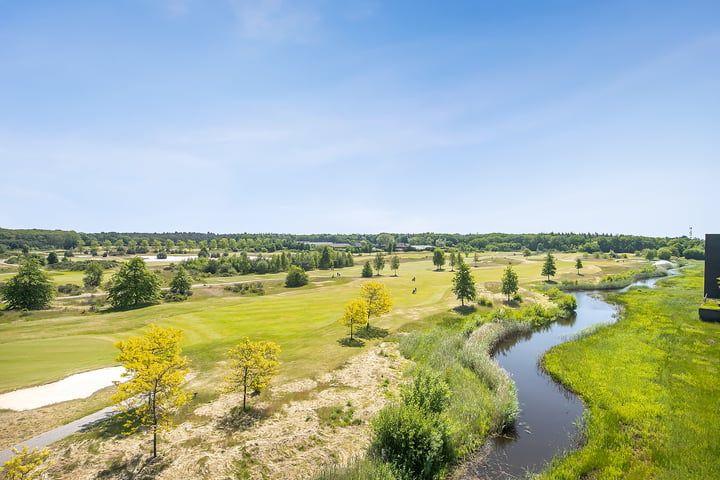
x=135 y=242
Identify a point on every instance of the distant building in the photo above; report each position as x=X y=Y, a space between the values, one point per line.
x=710 y=311
x=332 y=244
x=712 y=265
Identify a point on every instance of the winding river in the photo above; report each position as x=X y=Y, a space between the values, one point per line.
x=549 y=413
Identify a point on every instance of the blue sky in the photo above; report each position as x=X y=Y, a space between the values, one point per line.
x=360 y=116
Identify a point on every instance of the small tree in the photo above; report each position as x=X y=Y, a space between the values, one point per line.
x=438 y=258
x=25 y=464
x=464 y=284
x=453 y=261
x=356 y=313
x=509 y=282
x=367 y=270
x=578 y=265
x=134 y=285
x=476 y=258
x=93 y=274
x=395 y=264
x=379 y=263
x=252 y=365
x=377 y=298
x=549 y=267
x=296 y=277
x=30 y=288
x=156 y=372
x=181 y=284
x=52 y=258
x=325 y=260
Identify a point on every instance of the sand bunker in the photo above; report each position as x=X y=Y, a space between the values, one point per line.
x=81 y=385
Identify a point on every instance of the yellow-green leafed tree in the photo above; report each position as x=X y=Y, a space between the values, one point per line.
x=252 y=365
x=356 y=313
x=377 y=298
x=156 y=372
x=25 y=464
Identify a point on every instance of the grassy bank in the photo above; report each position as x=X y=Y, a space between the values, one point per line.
x=425 y=433
x=613 y=282
x=650 y=383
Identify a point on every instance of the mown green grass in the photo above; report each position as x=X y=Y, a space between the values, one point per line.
x=38 y=347
x=304 y=321
x=651 y=383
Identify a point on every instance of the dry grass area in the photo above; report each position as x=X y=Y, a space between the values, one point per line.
x=282 y=437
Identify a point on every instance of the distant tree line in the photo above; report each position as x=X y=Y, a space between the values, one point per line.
x=179 y=242
x=244 y=264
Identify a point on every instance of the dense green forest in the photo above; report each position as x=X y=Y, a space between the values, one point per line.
x=271 y=242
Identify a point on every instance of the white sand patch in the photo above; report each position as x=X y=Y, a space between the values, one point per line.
x=81 y=385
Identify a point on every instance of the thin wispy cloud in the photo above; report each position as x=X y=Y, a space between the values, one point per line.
x=275 y=20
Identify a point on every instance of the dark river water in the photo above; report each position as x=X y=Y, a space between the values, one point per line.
x=549 y=413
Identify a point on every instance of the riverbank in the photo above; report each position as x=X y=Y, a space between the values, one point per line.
x=481 y=401
x=617 y=281
x=650 y=385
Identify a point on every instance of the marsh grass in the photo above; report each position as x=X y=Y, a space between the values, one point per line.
x=650 y=382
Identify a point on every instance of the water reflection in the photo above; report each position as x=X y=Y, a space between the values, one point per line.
x=549 y=412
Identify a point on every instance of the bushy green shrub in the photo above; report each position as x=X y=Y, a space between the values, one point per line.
x=567 y=303
x=427 y=391
x=414 y=442
x=296 y=277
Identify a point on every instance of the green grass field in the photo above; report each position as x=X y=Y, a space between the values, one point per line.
x=651 y=383
x=39 y=347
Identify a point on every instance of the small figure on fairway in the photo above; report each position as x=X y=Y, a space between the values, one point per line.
x=413 y=279
x=414 y=290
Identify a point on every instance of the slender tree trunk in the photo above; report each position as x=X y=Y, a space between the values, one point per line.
x=245 y=387
x=351 y=324
x=153 y=406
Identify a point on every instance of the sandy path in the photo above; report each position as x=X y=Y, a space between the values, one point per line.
x=59 y=433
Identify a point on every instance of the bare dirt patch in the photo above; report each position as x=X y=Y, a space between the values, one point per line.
x=282 y=437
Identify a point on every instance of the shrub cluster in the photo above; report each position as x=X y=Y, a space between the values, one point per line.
x=81 y=265
x=412 y=436
x=256 y=288
x=485 y=302
x=70 y=289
